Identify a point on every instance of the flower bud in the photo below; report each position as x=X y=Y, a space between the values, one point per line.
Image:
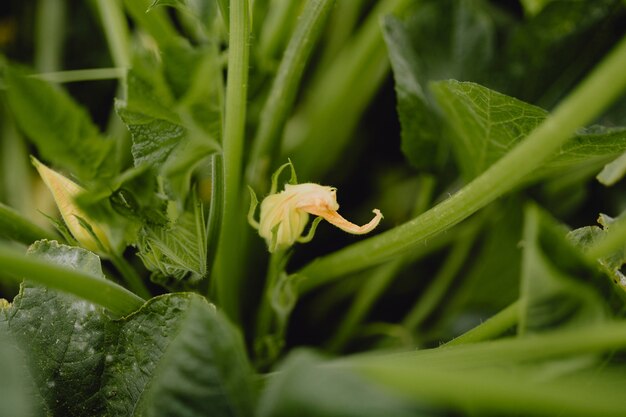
x=65 y=192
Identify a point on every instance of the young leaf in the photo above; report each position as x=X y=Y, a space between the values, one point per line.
x=559 y=289
x=60 y=129
x=179 y=250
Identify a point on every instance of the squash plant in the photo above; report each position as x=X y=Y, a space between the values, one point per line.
x=167 y=164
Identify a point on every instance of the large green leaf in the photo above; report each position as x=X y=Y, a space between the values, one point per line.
x=175 y=356
x=17 y=396
x=61 y=130
x=420 y=51
x=487 y=124
x=421 y=127
x=559 y=289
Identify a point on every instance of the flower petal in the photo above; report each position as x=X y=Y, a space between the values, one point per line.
x=331 y=216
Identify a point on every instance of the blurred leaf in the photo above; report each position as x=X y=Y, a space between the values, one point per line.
x=586 y=237
x=175 y=356
x=488 y=124
x=61 y=130
x=302 y=386
x=532 y=7
x=613 y=171
x=547 y=54
x=559 y=289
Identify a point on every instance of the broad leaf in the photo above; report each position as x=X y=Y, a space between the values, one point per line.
x=17 y=395
x=421 y=127
x=487 y=124
x=549 y=53
x=559 y=289
x=419 y=52
x=613 y=171
x=175 y=356
x=61 y=130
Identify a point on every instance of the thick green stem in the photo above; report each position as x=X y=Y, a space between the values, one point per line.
x=581 y=107
x=116 y=31
x=50 y=30
x=493 y=327
x=317 y=135
x=15 y=227
x=283 y=92
x=228 y=265
x=97 y=290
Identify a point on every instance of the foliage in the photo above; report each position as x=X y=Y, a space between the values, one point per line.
x=486 y=272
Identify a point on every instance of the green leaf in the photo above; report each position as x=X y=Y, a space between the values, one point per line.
x=559 y=289
x=421 y=126
x=585 y=238
x=17 y=396
x=487 y=124
x=533 y=7
x=61 y=130
x=613 y=171
x=178 y=250
x=549 y=53
x=175 y=356
x=303 y=387
x=419 y=52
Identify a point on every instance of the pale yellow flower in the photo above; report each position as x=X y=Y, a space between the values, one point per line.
x=65 y=192
x=284 y=215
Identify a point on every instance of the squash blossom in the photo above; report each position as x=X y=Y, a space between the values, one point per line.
x=284 y=215
x=65 y=192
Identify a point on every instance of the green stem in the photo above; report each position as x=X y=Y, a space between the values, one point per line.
x=15 y=227
x=96 y=290
x=130 y=276
x=116 y=31
x=50 y=30
x=317 y=135
x=493 y=327
x=283 y=92
x=82 y=75
x=581 y=107
x=264 y=316
x=228 y=264
x=277 y=26
x=343 y=21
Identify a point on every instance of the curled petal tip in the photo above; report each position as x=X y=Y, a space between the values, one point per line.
x=336 y=219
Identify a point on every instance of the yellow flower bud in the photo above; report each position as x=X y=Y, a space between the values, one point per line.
x=284 y=215
x=65 y=192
